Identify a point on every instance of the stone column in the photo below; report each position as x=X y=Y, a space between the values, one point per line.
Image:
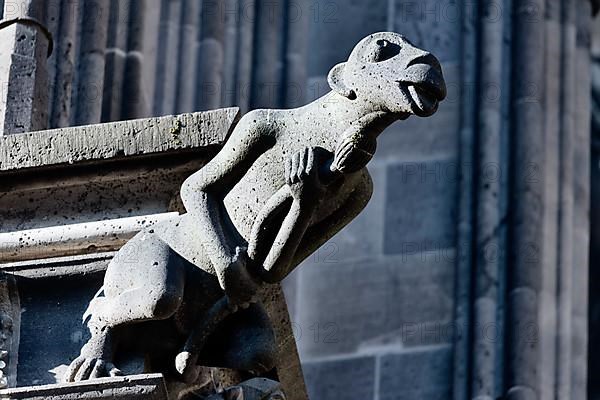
x=594 y=276
x=527 y=201
x=246 y=51
x=60 y=102
x=90 y=82
x=210 y=57
x=565 y=242
x=140 y=67
x=231 y=50
x=491 y=192
x=24 y=47
x=188 y=50
x=168 y=50
x=267 y=72
x=118 y=30
x=581 y=210
x=551 y=173
x=296 y=53
x=52 y=23
x=465 y=218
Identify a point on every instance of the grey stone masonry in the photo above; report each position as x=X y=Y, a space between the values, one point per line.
x=24 y=46
x=113 y=140
x=44 y=292
x=139 y=387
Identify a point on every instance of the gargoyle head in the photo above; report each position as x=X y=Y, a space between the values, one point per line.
x=392 y=75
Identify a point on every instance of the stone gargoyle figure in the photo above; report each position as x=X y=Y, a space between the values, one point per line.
x=284 y=183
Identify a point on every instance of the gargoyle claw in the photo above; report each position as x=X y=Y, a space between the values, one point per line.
x=83 y=368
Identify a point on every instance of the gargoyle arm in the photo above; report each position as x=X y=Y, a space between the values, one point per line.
x=296 y=240
x=279 y=256
x=313 y=238
x=203 y=192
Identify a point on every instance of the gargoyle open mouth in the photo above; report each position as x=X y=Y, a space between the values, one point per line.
x=425 y=90
x=425 y=102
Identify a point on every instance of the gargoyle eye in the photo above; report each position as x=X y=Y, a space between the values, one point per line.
x=383 y=50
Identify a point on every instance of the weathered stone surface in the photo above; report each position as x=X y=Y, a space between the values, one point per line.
x=289 y=371
x=188 y=57
x=51 y=326
x=436 y=24
x=92 y=44
x=420 y=208
x=115 y=139
x=168 y=51
x=281 y=185
x=335 y=36
x=58 y=241
x=325 y=382
x=333 y=319
x=424 y=374
x=58 y=267
x=60 y=103
x=138 y=387
x=10 y=330
x=24 y=46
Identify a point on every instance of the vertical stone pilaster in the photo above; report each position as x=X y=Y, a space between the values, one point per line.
x=188 y=58
x=490 y=225
x=246 y=50
x=581 y=212
x=267 y=72
x=90 y=82
x=168 y=50
x=566 y=193
x=60 y=102
x=114 y=70
x=594 y=264
x=231 y=51
x=527 y=201
x=52 y=23
x=296 y=52
x=140 y=60
x=24 y=46
x=210 y=57
x=549 y=279
x=466 y=201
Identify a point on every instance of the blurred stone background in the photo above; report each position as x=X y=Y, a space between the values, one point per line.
x=467 y=275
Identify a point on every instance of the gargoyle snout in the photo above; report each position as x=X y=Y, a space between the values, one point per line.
x=425 y=71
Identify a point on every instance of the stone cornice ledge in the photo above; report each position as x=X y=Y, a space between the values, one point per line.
x=142 y=387
x=114 y=140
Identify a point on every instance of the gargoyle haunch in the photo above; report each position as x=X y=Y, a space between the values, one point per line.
x=284 y=183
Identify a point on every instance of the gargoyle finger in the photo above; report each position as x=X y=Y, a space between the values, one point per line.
x=85 y=370
x=73 y=368
x=294 y=169
x=288 y=168
x=99 y=370
x=310 y=160
x=301 y=165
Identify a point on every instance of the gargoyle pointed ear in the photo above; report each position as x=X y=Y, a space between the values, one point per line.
x=336 y=81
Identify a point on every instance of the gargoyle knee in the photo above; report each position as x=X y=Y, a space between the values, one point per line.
x=163 y=305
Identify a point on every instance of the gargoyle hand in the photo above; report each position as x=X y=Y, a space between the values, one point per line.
x=240 y=284
x=302 y=175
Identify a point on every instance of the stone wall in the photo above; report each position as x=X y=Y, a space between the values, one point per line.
x=373 y=308
x=477 y=230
